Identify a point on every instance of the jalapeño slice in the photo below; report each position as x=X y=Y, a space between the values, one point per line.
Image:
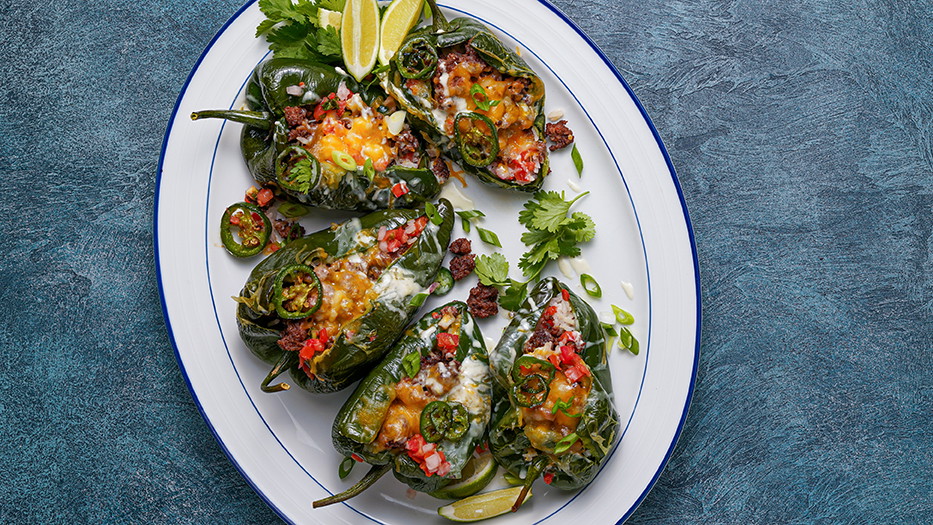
x=476 y=138
x=416 y=59
x=440 y=420
x=252 y=227
x=297 y=292
x=531 y=390
x=296 y=169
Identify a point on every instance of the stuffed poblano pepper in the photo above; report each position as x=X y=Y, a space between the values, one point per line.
x=329 y=305
x=424 y=409
x=556 y=417
x=328 y=142
x=475 y=98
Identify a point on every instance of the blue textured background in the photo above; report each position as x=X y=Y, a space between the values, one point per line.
x=803 y=137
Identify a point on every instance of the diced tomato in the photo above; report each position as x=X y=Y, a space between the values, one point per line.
x=573 y=374
x=525 y=370
x=319 y=111
x=548 y=477
x=356 y=458
x=554 y=359
x=435 y=315
x=272 y=247
x=235 y=219
x=256 y=217
x=482 y=448
x=264 y=197
x=399 y=189
x=567 y=354
x=322 y=336
x=447 y=342
x=565 y=337
x=565 y=294
x=550 y=311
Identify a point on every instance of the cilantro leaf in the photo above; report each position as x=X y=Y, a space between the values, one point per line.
x=551 y=212
x=328 y=41
x=300 y=12
x=493 y=270
x=514 y=296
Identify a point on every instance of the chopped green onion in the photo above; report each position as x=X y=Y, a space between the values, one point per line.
x=467 y=216
x=565 y=444
x=431 y=210
x=479 y=96
x=418 y=300
x=610 y=329
x=590 y=285
x=622 y=316
x=488 y=237
x=412 y=364
x=368 y=169
x=346 y=466
x=343 y=160
x=563 y=406
x=577 y=160
x=470 y=214
x=627 y=341
x=290 y=210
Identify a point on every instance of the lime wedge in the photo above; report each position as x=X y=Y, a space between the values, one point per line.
x=398 y=20
x=329 y=18
x=482 y=506
x=359 y=36
x=477 y=473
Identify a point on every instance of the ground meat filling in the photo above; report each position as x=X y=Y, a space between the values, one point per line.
x=482 y=301
x=558 y=134
x=293 y=337
x=464 y=262
x=288 y=230
x=461 y=246
x=462 y=266
x=440 y=169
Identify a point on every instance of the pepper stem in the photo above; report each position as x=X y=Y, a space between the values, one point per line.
x=284 y=363
x=257 y=119
x=368 y=480
x=438 y=20
x=533 y=471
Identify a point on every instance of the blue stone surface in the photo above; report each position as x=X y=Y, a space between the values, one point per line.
x=802 y=133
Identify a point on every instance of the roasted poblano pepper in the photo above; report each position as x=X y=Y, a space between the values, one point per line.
x=329 y=305
x=475 y=98
x=556 y=415
x=327 y=141
x=424 y=409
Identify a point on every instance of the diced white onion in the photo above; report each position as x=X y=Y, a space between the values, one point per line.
x=295 y=91
x=395 y=122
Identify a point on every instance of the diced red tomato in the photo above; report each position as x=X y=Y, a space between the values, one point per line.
x=429 y=458
x=311 y=348
x=567 y=354
x=548 y=477
x=436 y=315
x=447 y=342
x=399 y=189
x=235 y=219
x=264 y=197
x=356 y=458
x=565 y=294
x=554 y=359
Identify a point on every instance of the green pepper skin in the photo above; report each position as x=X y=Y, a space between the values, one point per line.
x=349 y=358
x=599 y=424
x=265 y=146
x=444 y=34
x=359 y=420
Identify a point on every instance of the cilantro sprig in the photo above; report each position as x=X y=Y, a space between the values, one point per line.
x=551 y=233
x=293 y=29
